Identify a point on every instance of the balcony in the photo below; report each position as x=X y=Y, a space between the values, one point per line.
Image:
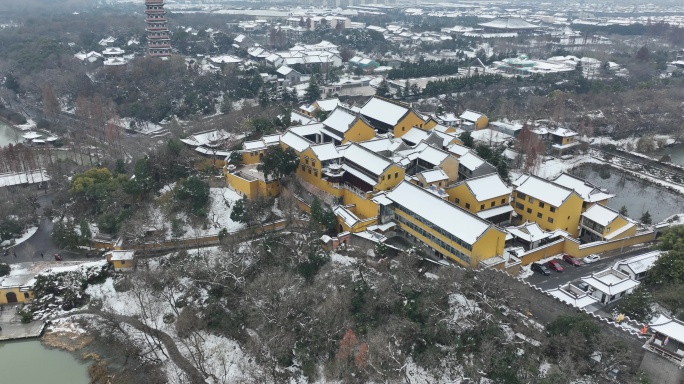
x=163 y=37
x=156 y=20
x=155 y=11
x=154 y=2
x=159 y=46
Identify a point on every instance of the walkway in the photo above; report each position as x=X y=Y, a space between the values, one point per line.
x=13 y=329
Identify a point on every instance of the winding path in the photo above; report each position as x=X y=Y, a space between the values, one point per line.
x=195 y=376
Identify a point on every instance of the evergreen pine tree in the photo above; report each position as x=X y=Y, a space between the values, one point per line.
x=313 y=92
x=383 y=89
x=646 y=218
x=623 y=210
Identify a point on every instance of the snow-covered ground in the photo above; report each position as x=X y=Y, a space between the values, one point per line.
x=221 y=205
x=554 y=167
x=224 y=358
x=30 y=232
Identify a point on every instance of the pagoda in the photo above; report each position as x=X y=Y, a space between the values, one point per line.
x=158 y=38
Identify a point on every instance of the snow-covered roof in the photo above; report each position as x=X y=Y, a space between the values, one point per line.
x=601 y=214
x=349 y=218
x=487 y=187
x=471 y=161
x=529 y=231
x=366 y=159
x=381 y=144
x=508 y=23
x=458 y=150
x=295 y=141
x=431 y=154
x=496 y=211
x=640 y=263
x=589 y=192
x=573 y=296
x=240 y=38
x=225 y=59
x=122 y=255
x=31 y=177
x=471 y=116
x=448 y=217
x=306 y=130
x=490 y=136
x=207 y=138
x=360 y=175
x=384 y=111
x=610 y=281
x=325 y=152
x=434 y=175
x=543 y=190
x=328 y=105
x=670 y=327
x=415 y=135
x=340 y=120
x=285 y=70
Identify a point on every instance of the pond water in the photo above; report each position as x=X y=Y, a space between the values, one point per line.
x=8 y=135
x=637 y=195
x=29 y=362
x=676 y=153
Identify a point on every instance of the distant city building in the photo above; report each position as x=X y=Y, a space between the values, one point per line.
x=158 y=38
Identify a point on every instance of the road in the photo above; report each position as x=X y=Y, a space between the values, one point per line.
x=40 y=243
x=573 y=274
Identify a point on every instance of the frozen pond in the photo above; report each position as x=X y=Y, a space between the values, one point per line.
x=29 y=362
x=676 y=153
x=637 y=195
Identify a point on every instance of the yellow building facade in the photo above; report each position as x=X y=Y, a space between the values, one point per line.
x=359 y=131
x=410 y=120
x=251 y=187
x=17 y=294
x=549 y=205
x=462 y=196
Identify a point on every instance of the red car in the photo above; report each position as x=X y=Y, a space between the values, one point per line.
x=553 y=264
x=571 y=260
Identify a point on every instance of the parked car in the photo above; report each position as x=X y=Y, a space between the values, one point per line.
x=536 y=267
x=591 y=259
x=553 y=264
x=571 y=260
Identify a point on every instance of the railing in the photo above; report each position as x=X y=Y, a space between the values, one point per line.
x=664 y=352
x=354 y=190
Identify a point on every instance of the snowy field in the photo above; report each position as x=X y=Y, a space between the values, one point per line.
x=221 y=205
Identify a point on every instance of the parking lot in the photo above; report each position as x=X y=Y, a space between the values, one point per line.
x=573 y=274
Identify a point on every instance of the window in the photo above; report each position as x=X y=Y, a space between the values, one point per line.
x=26 y=295
x=539 y=215
x=306 y=159
x=568 y=217
x=468 y=205
x=303 y=167
x=403 y=129
x=315 y=172
x=541 y=205
x=503 y=201
x=493 y=203
x=389 y=177
x=550 y=219
x=607 y=229
x=313 y=162
x=521 y=195
x=531 y=199
x=529 y=210
x=396 y=175
x=123 y=262
x=519 y=206
x=457 y=200
x=382 y=177
x=552 y=209
x=481 y=206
